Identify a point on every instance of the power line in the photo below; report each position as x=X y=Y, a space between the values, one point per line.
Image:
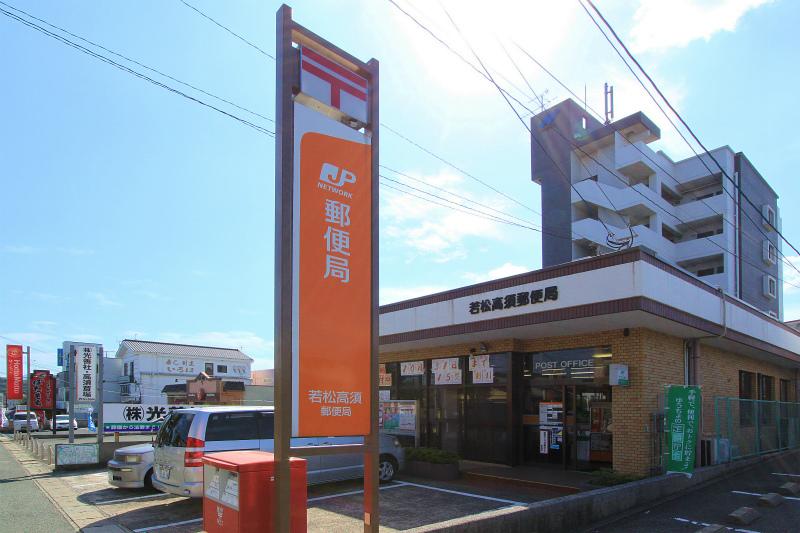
x=131 y=71
x=724 y=249
x=688 y=128
x=190 y=6
x=383 y=125
x=135 y=62
x=647 y=156
x=611 y=239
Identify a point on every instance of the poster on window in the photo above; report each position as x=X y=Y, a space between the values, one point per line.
x=85 y=373
x=412 y=368
x=446 y=371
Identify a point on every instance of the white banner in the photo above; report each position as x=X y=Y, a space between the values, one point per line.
x=412 y=368
x=85 y=373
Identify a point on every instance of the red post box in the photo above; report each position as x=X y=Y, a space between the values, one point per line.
x=238 y=491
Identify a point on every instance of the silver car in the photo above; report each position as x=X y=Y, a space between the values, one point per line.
x=132 y=467
x=187 y=434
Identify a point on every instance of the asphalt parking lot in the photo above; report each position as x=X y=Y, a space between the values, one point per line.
x=711 y=504
x=406 y=503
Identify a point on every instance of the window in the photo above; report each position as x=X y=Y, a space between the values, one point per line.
x=174 y=430
x=222 y=369
x=125 y=369
x=766 y=392
x=131 y=368
x=210 y=369
x=709 y=233
x=746 y=392
x=784 y=392
x=232 y=426
x=705 y=272
x=770 y=253
x=770 y=286
x=769 y=216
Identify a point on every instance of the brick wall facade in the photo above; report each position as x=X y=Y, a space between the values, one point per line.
x=654 y=360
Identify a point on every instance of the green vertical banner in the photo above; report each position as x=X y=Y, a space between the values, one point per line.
x=683 y=420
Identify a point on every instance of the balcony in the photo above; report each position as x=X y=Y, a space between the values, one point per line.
x=695 y=248
x=700 y=209
x=637 y=160
x=638 y=200
x=592 y=230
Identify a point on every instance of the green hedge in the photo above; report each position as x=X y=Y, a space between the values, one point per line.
x=431 y=455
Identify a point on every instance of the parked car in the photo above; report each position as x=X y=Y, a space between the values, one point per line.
x=62 y=422
x=187 y=434
x=132 y=467
x=21 y=422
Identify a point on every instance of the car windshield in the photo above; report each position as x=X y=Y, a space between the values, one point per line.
x=22 y=416
x=174 y=430
x=62 y=418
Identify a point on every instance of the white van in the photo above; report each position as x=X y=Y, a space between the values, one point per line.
x=21 y=422
x=187 y=434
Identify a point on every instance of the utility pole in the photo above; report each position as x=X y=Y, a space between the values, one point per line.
x=71 y=391
x=28 y=412
x=100 y=386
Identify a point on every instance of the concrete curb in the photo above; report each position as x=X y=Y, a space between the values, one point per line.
x=578 y=511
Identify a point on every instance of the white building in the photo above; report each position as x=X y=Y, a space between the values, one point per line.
x=604 y=178
x=147 y=367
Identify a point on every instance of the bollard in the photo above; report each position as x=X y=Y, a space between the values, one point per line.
x=116 y=437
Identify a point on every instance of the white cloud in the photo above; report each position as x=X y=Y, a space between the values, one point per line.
x=20 y=249
x=43 y=324
x=398 y=294
x=503 y=271
x=102 y=299
x=659 y=25
x=431 y=230
x=250 y=343
x=75 y=251
x=85 y=337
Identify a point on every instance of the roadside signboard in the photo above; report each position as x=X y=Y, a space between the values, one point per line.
x=127 y=417
x=326 y=250
x=85 y=373
x=14 y=371
x=41 y=390
x=682 y=424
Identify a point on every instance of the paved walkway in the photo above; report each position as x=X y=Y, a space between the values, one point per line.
x=23 y=506
x=546 y=477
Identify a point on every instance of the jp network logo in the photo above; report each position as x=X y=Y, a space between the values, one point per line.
x=336 y=176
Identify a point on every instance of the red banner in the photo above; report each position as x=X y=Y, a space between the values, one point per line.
x=42 y=390
x=14 y=371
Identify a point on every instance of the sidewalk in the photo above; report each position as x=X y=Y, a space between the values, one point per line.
x=58 y=494
x=22 y=502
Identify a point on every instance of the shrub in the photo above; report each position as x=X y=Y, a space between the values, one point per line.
x=431 y=455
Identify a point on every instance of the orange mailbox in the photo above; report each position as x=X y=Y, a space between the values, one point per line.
x=238 y=490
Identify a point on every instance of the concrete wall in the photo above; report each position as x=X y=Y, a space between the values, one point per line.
x=551 y=168
x=752 y=238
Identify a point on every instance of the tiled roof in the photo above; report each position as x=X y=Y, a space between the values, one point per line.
x=166 y=348
x=174 y=387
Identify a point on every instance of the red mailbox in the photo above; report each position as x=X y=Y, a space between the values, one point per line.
x=238 y=491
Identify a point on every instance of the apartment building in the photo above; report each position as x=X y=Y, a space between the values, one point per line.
x=602 y=185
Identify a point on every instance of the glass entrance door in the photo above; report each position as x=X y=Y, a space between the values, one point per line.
x=543 y=424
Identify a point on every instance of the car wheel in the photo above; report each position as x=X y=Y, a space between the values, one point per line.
x=148 y=479
x=387 y=468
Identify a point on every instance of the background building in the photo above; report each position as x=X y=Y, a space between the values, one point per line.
x=597 y=178
x=148 y=366
x=263 y=377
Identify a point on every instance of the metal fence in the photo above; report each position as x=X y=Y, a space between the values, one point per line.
x=744 y=428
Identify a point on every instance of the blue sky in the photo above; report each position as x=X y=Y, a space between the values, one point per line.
x=130 y=211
